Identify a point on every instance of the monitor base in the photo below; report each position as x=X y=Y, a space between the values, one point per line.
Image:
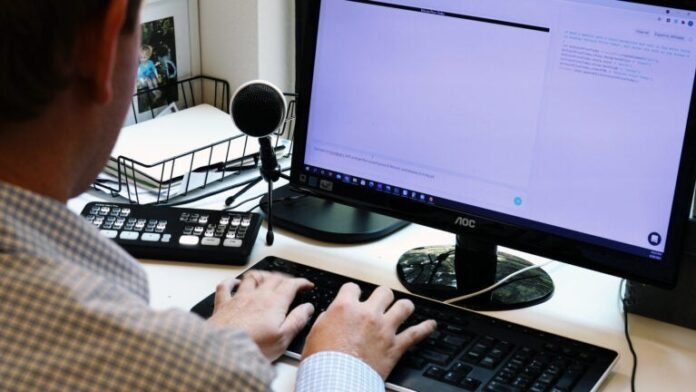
x=325 y=220
x=430 y=272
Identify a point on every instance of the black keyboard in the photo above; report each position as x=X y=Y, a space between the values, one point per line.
x=468 y=351
x=181 y=234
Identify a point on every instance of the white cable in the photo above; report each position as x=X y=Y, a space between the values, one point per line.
x=500 y=282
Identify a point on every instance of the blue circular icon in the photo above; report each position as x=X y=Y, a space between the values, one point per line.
x=691 y=23
x=518 y=201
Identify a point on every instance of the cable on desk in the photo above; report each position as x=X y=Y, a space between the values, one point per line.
x=241 y=203
x=497 y=284
x=625 y=301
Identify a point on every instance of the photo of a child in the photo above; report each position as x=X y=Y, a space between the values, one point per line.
x=157 y=70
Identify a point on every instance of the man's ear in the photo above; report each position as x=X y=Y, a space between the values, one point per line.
x=97 y=51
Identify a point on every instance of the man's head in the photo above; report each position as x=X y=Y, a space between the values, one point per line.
x=38 y=46
x=67 y=71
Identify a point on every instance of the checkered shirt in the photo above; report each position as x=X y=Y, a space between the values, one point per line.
x=74 y=316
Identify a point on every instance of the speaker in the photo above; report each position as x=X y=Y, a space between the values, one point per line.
x=676 y=306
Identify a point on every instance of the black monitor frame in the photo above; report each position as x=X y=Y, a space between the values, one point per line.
x=505 y=230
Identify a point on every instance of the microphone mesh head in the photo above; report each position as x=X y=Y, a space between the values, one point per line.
x=258 y=109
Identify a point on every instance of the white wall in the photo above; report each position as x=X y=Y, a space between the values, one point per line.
x=243 y=40
x=277 y=42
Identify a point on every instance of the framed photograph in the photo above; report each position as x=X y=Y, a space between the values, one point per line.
x=157 y=69
x=169 y=51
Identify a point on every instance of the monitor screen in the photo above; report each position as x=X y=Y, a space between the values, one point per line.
x=558 y=127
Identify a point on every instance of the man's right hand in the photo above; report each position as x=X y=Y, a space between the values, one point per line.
x=367 y=330
x=261 y=307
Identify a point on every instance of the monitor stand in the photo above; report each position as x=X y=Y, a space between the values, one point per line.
x=325 y=220
x=444 y=272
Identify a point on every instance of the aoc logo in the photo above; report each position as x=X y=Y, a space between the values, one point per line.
x=465 y=222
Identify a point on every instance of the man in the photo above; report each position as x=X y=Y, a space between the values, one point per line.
x=73 y=306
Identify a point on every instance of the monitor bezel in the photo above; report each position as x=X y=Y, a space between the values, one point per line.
x=661 y=273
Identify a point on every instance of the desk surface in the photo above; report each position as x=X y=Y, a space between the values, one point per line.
x=585 y=305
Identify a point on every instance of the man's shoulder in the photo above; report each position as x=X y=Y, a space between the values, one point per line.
x=81 y=325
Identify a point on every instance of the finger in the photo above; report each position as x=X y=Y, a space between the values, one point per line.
x=263 y=277
x=287 y=290
x=382 y=297
x=289 y=287
x=349 y=292
x=415 y=334
x=249 y=282
x=223 y=291
x=399 y=312
x=296 y=320
x=279 y=278
x=276 y=281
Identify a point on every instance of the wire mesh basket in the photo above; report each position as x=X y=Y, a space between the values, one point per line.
x=176 y=178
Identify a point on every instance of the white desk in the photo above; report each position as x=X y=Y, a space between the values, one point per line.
x=585 y=305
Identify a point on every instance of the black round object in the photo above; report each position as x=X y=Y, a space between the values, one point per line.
x=431 y=272
x=258 y=109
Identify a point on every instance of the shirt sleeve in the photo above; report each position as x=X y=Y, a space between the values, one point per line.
x=336 y=372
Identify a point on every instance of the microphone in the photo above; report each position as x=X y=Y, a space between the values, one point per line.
x=258 y=109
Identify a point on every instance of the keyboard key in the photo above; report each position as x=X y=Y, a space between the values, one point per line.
x=435 y=372
x=457 y=373
x=546 y=378
x=210 y=241
x=110 y=233
x=567 y=381
x=455 y=329
x=489 y=362
x=129 y=235
x=495 y=386
x=470 y=384
x=413 y=361
x=188 y=240
x=435 y=357
x=452 y=377
x=150 y=237
x=232 y=243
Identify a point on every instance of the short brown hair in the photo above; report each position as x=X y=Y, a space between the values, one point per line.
x=37 y=37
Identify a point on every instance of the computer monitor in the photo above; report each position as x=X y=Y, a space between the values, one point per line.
x=562 y=128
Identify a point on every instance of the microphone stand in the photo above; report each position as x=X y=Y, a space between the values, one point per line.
x=270 y=171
